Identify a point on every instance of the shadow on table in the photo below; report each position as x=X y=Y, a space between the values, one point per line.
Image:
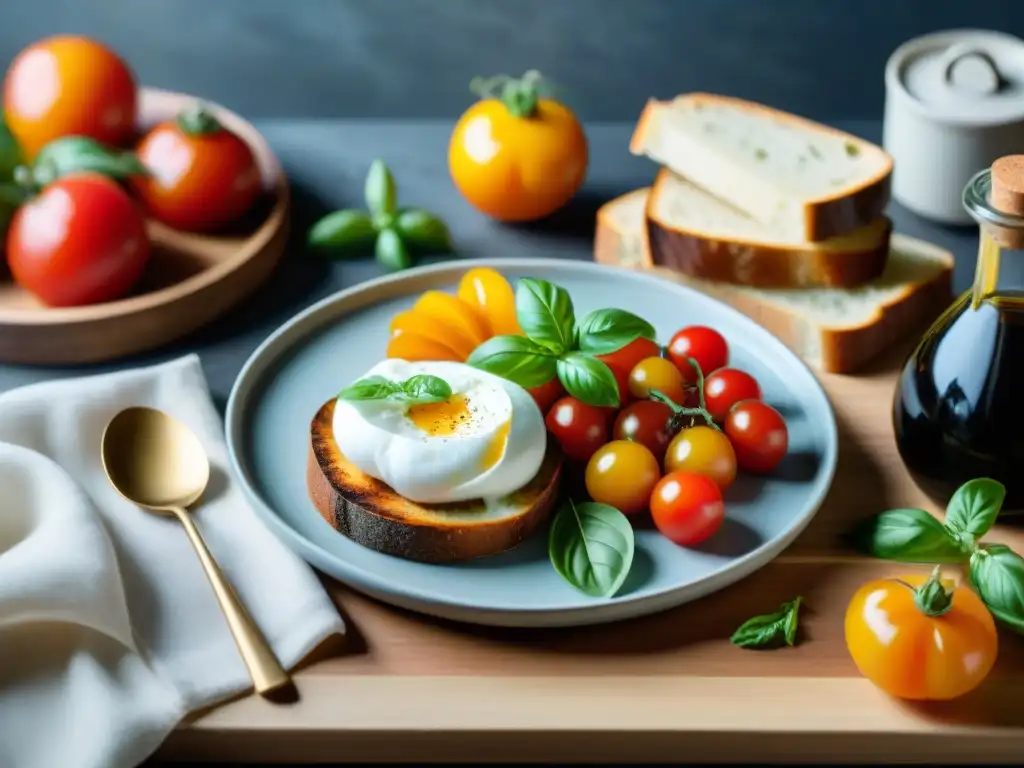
x=577 y=219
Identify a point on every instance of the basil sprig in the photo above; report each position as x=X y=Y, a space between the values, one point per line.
x=914 y=536
x=591 y=545
x=416 y=390
x=555 y=345
x=393 y=233
x=771 y=630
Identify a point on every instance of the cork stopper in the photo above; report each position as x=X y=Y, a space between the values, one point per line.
x=1007 y=195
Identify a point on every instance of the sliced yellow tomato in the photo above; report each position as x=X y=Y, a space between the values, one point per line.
x=487 y=291
x=442 y=333
x=414 y=347
x=457 y=318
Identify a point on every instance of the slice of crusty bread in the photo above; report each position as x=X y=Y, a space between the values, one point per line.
x=835 y=330
x=697 y=234
x=370 y=513
x=808 y=181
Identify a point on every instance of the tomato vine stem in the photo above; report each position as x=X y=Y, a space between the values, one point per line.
x=197 y=120
x=679 y=412
x=520 y=95
x=933 y=598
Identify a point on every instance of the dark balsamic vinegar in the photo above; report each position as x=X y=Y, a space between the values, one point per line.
x=958 y=411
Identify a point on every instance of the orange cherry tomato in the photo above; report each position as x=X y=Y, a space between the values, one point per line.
x=492 y=296
x=82 y=240
x=202 y=176
x=703 y=450
x=901 y=640
x=415 y=347
x=622 y=474
x=69 y=85
x=659 y=374
x=514 y=155
x=623 y=360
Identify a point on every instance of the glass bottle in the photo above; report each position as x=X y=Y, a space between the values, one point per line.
x=958 y=410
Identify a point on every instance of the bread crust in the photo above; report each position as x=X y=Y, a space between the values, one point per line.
x=762 y=265
x=827 y=216
x=370 y=513
x=840 y=350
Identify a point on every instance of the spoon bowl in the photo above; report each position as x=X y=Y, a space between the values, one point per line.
x=154 y=460
x=157 y=463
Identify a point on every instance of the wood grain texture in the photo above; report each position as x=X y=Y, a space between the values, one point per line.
x=190 y=280
x=666 y=687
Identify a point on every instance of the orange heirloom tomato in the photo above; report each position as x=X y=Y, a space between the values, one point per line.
x=202 y=176
x=69 y=86
x=514 y=155
x=921 y=637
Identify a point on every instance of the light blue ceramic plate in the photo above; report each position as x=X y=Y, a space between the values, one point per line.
x=310 y=358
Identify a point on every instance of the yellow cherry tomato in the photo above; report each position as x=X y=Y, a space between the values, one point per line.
x=921 y=637
x=704 y=451
x=514 y=155
x=491 y=294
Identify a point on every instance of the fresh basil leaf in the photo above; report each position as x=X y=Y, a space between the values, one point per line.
x=545 y=314
x=907 y=536
x=771 y=630
x=73 y=154
x=588 y=379
x=347 y=230
x=379 y=190
x=424 y=388
x=997 y=572
x=391 y=252
x=423 y=230
x=370 y=388
x=975 y=506
x=591 y=545
x=515 y=358
x=608 y=330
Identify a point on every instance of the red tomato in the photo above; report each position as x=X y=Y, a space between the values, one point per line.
x=622 y=361
x=82 y=240
x=546 y=394
x=202 y=176
x=578 y=427
x=705 y=345
x=69 y=85
x=687 y=508
x=727 y=386
x=758 y=434
x=645 y=422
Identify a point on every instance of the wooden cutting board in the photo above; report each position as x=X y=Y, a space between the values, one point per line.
x=668 y=687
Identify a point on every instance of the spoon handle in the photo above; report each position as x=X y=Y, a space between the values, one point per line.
x=264 y=668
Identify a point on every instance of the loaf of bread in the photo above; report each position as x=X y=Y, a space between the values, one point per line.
x=834 y=330
x=807 y=181
x=695 y=233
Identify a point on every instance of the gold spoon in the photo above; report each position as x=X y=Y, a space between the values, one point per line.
x=156 y=462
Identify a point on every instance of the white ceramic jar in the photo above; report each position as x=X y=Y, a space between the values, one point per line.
x=954 y=103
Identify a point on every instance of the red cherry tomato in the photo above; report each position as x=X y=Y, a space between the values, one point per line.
x=578 y=427
x=687 y=508
x=727 y=386
x=705 y=345
x=546 y=394
x=82 y=240
x=622 y=361
x=758 y=434
x=202 y=176
x=622 y=474
x=645 y=422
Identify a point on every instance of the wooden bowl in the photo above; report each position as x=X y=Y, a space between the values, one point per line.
x=191 y=278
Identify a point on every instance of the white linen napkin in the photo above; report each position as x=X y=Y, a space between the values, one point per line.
x=109 y=631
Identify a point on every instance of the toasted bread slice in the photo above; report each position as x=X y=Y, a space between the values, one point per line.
x=835 y=330
x=697 y=234
x=370 y=513
x=807 y=181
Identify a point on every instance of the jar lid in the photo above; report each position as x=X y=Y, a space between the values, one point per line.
x=966 y=77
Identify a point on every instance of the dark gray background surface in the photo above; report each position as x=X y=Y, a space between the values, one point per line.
x=327 y=161
x=414 y=58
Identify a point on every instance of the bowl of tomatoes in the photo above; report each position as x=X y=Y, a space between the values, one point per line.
x=130 y=216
